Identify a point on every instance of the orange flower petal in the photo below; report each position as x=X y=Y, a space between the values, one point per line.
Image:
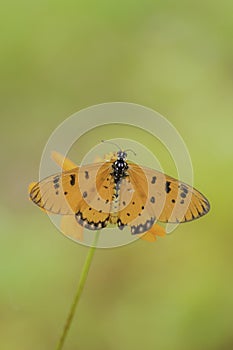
x=155 y=230
x=71 y=228
x=63 y=162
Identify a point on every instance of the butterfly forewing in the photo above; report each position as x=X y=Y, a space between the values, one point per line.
x=173 y=201
x=68 y=192
x=58 y=194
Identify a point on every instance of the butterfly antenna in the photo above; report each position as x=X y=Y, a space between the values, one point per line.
x=130 y=150
x=112 y=143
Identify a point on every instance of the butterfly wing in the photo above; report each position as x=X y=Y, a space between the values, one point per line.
x=171 y=200
x=145 y=195
x=53 y=194
x=86 y=192
x=94 y=210
x=134 y=208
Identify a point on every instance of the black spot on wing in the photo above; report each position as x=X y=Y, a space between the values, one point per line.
x=120 y=224
x=86 y=175
x=56 y=179
x=72 y=179
x=152 y=199
x=153 y=180
x=184 y=188
x=167 y=186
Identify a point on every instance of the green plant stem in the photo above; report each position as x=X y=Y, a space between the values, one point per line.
x=81 y=284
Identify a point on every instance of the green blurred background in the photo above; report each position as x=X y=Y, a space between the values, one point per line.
x=58 y=57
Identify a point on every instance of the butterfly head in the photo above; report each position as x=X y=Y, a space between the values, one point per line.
x=121 y=155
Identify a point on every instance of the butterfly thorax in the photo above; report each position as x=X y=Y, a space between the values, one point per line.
x=120 y=167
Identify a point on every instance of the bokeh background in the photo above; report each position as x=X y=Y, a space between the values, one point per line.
x=58 y=57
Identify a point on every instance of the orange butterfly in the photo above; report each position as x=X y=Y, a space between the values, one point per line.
x=119 y=192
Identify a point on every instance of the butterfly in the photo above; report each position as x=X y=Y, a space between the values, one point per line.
x=121 y=193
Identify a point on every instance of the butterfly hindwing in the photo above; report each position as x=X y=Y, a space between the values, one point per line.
x=135 y=209
x=94 y=210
